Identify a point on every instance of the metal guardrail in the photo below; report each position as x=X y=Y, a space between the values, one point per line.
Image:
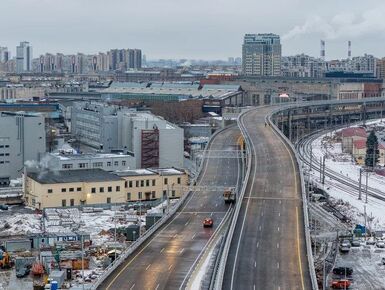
x=222 y=264
x=304 y=203
x=135 y=245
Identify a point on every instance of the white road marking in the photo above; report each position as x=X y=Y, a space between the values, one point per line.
x=169 y=267
x=211 y=214
x=216 y=205
x=148 y=267
x=277 y=245
x=279 y=214
x=254 y=286
x=157 y=286
x=261 y=213
x=257 y=244
x=280 y=201
x=132 y=287
x=193 y=236
x=186 y=223
x=278 y=265
x=162 y=250
x=255 y=264
x=181 y=251
x=260 y=228
x=278 y=228
x=175 y=236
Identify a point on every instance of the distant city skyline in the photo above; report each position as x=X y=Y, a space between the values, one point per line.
x=205 y=30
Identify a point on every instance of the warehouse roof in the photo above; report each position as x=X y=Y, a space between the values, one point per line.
x=70 y=176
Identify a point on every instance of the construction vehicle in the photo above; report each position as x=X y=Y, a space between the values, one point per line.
x=5 y=260
x=229 y=195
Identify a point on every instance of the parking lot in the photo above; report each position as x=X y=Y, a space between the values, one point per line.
x=368 y=270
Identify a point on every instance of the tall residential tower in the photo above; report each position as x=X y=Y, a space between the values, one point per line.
x=23 y=57
x=261 y=55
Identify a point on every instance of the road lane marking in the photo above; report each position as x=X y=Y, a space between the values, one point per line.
x=186 y=223
x=157 y=287
x=299 y=251
x=148 y=267
x=260 y=228
x=255 y=264
x=257 y=244
x=278 y=228
x=193 y=236
x=279 y=214
x=169 y=267
x=162 y=250
x=132 y=287
x=261 y=213
x=211 y=214
x=264 y=198
x=277 y=245
x=254 y=286
x=181 y=251
x=278 y=265
x=175 y=236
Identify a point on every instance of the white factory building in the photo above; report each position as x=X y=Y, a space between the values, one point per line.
x=153 y=141
x=22 y=141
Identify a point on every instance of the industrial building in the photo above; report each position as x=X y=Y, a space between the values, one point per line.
x=22 y=140
x=97 y=187
x=70 y=160
x=153 y=141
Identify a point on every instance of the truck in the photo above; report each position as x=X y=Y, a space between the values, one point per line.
x=229 y=195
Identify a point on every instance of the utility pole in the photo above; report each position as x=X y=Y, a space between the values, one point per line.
x=366 y=230
x=311 y=158
x=323 y=170
x=83 y=261
x=367 y=177
x=360 y=184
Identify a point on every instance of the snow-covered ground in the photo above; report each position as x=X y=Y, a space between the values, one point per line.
x=343 y=164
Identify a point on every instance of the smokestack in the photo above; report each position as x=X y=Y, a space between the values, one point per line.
x=323 y=49
x=349 y=49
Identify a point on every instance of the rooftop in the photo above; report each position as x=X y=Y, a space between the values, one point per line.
x=150 y=171
x=354 y=131
x=86 y=156
x=70 y=176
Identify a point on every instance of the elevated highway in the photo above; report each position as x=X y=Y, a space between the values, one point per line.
x=167 y=259
x=268 y=249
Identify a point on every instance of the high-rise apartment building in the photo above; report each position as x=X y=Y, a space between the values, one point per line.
x=4 y=54
x=302 y=65
x=23 y=57
x=261 y=55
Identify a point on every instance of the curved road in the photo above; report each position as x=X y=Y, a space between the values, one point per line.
x=166 y=259
x=268 y=249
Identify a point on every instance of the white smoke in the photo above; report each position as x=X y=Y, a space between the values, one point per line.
x=346 y=25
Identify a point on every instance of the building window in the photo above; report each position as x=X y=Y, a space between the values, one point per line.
x=79 y=189
x=108 y=164
x=72 y=202
x=173 y=193
x=116 y=163
x=97 y=164
x=118 y=188
x=164 y=194
x=153 y=182
x=6 y=146
x=137 y=183
x=83 y=165
x=140 y=195
x=142 y=183
x=179 y=179
x=130 y=183
x=166 y=181
x=71 y=189
x=125 y=184
x=123 y=163
x=49 y=190
x=153 y=194
x=63 y=202
x=64 y=190
x=109 y=189
x=147 y=182
x=101 y=189
x=67 y=166
x=128 y=195
x=33 y=202
x=108 y=199
x=93 y=190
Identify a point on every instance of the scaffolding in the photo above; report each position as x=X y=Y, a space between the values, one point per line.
x=150 y=148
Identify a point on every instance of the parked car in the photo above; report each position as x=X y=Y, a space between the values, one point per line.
x=380 y=244
x=3 y=207
x=371 y=241
x=208 y=222
x=356 y=243
x=343 y=271
x=341 y=284
x=345 y=243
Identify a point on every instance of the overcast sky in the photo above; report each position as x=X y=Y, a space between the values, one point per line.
x=204 y=29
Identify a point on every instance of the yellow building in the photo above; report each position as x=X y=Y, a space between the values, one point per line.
x=150 y=184
x=95 y=186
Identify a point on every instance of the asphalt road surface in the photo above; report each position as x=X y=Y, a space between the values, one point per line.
x=268 y=249
x=165 y=260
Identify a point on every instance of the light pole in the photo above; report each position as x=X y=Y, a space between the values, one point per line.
x=366 y=189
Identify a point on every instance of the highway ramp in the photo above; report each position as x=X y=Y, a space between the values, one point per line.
x=165 y=260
